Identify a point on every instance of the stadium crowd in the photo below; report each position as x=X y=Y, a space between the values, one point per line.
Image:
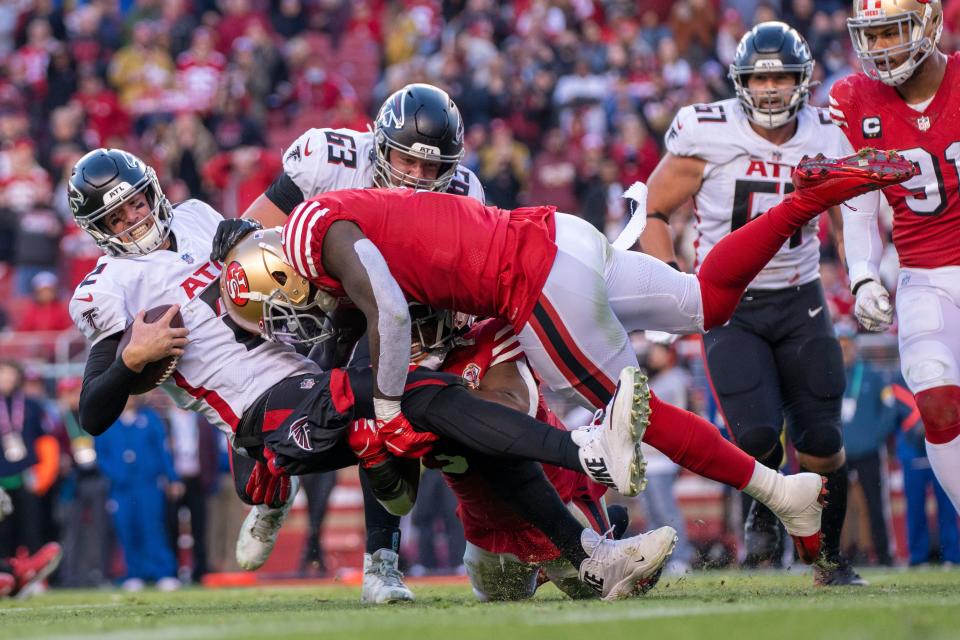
x=565 y=102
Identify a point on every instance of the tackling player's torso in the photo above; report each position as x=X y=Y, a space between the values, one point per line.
x=324 y=160
x=223 y=368
x=926 y=221
x=445 y=251
x=745 y=175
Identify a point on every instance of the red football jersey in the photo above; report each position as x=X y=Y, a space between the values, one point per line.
x=926 y=220
x=447 y=251
x=487 y=521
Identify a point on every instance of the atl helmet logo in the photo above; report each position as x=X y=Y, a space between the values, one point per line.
x=393 y=114
x=236 y=283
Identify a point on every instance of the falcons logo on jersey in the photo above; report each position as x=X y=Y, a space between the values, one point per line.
x=300 y=434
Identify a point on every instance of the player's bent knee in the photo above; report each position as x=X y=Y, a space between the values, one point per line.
x=823 y=442
x=826 y=379
x=928 y=364
x=758 y=441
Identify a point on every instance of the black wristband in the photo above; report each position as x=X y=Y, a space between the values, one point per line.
x=857 y=286
x=659 y=216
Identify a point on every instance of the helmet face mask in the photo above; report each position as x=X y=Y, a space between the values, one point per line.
x=433 y=332
x=420 y=121
x=918 y=25
x=772 y=48
x=264 y=295
x=105 y=180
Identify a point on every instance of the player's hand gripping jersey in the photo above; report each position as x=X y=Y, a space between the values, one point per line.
x=223 y=368
x=487 y=521
x=745 y=175
x=324 y=160
x=926 y=208
x=447 y=252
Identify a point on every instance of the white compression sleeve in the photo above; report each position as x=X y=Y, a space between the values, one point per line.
x=393 y=320
x=861 y=237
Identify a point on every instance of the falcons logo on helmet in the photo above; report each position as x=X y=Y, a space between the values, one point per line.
x=300 y=434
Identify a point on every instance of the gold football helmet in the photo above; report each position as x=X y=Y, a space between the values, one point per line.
x=265 y=295
x=919 y=23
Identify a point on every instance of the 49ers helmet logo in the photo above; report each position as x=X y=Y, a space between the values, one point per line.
x=236 y=284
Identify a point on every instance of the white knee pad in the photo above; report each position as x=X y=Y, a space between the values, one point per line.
x=929 y=344
x=499 y=576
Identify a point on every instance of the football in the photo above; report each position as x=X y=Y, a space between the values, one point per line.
x=155 y=373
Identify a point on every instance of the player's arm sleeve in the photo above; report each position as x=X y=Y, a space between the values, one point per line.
x=861 y=237
x=392 y=319
x=284 y=193
x=106 y=386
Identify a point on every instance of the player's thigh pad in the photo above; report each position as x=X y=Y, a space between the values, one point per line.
x=499 y=576
x=747 y=386
x=928 y=310
x=814 y=382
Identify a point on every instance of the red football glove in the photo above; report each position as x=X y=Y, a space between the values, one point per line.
x=402 y=440
x=365 y=442
x=268 y=484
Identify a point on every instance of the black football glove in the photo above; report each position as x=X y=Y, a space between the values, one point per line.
x=229 y=233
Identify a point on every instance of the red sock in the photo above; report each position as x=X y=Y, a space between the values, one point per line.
x=697 y=445
x=739 y=257
x=940 y=409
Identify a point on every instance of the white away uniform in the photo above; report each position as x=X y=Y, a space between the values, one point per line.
x=745 y=175
x=223 y=368
x=777 y=357
x=322 y=160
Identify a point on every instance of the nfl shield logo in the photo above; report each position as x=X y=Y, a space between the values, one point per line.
x=923 y=123
x=186 y=257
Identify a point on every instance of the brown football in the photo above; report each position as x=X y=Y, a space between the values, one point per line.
x=155 y=373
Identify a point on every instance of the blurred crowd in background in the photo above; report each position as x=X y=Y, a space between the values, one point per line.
x=564 y=103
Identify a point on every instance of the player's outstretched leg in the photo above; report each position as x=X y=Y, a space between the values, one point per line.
x=697 y=445
x=260 y=529
x=610 y=452
x=820 y=183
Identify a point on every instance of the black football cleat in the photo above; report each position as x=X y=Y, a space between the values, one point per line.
x=762 y=537
x=838 y=573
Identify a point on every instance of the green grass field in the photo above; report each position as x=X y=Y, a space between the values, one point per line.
x=915 y=605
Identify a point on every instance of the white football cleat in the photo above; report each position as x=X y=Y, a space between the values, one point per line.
x=260 y=529
x=610 y=453
x=798 y=503
x=382 y=579
x=618 y=569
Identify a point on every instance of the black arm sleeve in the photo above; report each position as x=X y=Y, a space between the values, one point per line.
x=106 y=386
x=284 y=193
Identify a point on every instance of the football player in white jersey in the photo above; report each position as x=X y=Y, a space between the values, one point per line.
x=154 y=257
x=417 y=142
x=777 y=358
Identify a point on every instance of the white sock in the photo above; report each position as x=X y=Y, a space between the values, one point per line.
x=763 y=483
x=945 y=462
